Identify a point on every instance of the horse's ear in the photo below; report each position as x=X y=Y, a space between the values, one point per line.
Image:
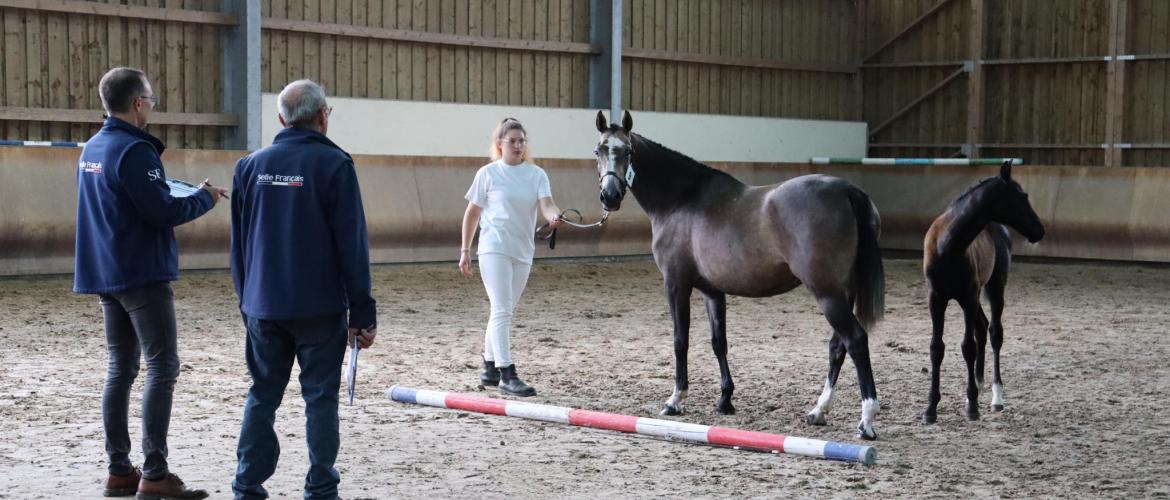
x=602 y=126
x=627 y=121
x=1005 y=170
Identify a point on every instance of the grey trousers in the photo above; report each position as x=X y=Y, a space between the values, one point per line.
x=140 y=322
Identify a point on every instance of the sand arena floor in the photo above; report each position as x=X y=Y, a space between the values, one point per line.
x=1085 y=371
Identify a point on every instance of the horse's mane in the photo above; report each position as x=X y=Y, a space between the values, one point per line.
x=974 y=187
x=664 y=155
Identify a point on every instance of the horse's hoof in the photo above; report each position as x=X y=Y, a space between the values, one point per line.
x=929 y=418
x=724 y=409
x=815 y=419
x=866 y=435
x=996 y=407
x=972 y=415
x=670 y=411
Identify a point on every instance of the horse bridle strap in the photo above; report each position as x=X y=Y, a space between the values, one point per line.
x=622 y=182
x=552 y=236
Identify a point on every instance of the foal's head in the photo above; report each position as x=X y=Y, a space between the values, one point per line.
x=615 y=155
x=1011 y=207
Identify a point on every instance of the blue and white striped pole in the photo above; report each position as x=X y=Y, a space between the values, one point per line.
x=43 y=144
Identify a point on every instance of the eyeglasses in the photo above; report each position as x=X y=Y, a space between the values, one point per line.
x=328 y=110
x=515 y=142
x=152 y=98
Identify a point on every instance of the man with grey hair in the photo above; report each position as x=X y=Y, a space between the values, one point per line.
x=300 y=263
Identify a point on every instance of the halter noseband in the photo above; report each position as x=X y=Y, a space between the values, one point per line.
x=621 y=182
x=624 y=182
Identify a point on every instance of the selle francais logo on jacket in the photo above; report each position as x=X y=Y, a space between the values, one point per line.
x=90 y=167
x=280 y=180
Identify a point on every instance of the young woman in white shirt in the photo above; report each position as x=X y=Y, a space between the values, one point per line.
x=503 y=201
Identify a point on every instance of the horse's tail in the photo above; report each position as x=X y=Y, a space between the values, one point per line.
x=869 y=278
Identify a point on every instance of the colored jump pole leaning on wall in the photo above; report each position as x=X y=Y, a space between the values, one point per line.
x=43 y=144
x=694 y=433
x=913 y=161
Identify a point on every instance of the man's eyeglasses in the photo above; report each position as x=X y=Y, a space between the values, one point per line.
x=328 y=110
x=152 y=98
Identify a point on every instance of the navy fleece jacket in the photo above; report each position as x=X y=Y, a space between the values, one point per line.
x=299 y=243
x=125 y=212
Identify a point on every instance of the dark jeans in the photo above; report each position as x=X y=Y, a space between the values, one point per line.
x=318 y=344
x=139 y=321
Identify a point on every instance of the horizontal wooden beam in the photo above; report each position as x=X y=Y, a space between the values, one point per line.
x=407 y=36
x=662 y=55
x=1046 y=60
x=941 y=145
x=1144 y=57
x=913 y=64
x=1033 y=145
x=122 y=11
x=1025 y=61
x=1143 y=146
x=906 y=109
x=95 y=116
x=913 y=24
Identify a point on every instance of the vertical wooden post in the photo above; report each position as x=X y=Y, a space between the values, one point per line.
x=600 y=65
x=976 y=48
x=615 y=63
x=859 y=34
x=1115 y=82
x=241 y=70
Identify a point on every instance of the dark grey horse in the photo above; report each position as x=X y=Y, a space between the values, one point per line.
x=720 y=236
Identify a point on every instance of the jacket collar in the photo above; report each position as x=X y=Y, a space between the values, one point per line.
x=112 y=124
x=292 y=134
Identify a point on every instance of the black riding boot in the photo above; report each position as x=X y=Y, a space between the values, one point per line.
x=490 y=376
x=510 y=383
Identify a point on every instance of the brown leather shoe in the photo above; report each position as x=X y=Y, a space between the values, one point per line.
x=169 y=487
x=122 y=486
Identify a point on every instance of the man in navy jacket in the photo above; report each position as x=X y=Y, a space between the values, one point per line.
x=300 y=261
x=126 y=253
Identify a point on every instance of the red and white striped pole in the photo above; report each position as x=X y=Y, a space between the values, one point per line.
x=695 y=433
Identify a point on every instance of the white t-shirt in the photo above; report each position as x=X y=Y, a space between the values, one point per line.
x=510 y=196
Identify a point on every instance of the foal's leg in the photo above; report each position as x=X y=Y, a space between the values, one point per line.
x=825 y=402
x=980 y=346
x=679 y=298
x=973 y=316
x=840 y=316
x=717 y=313
x=938 y=314
x=995 y=291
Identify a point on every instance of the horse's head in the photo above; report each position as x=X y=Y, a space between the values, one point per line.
x=615 y=156
x=1014 y=210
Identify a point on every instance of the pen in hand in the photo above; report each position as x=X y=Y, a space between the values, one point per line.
x=207 y=183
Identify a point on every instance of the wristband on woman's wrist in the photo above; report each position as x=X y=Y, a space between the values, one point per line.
x=464 y=250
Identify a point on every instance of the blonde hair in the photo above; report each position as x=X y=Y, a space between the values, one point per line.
x=507 y=125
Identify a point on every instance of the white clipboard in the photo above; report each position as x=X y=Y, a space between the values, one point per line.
x=182 y=189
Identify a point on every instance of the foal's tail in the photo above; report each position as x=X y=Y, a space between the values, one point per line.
x=869 y=278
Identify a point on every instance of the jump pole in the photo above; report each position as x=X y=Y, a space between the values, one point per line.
x=913 y=161
x=693 y=433
x=44 y=144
